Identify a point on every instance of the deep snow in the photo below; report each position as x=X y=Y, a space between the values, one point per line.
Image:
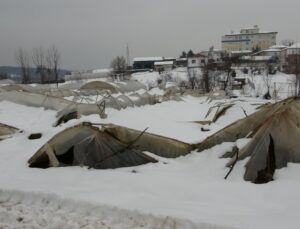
x=190 y=187
x=31 y=210
x=190 y=190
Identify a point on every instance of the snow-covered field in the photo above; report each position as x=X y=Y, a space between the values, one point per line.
x=31 y=210
x=187 y=192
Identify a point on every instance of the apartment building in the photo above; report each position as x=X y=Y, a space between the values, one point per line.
x=248 y=39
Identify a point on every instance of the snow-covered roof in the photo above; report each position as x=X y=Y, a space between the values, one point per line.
x=169 y=58
x=278 y=47
x=102 y=70
x=241 y=51
x=262 y=57
x=260 y=32
x=267 y=50
x=271 y=50
x=257 y=58
x=148 y=59
x=164 y=63
x=295 y=46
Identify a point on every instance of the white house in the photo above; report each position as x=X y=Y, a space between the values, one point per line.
x=196 y=61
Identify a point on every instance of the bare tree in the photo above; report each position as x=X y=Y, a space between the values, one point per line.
x=193 y=78
x=268 y=81
x=49 y=65
x=22 y=60
x=209 y=76
x=227 y=63
x=53 y=62
x=39 y=60
x=119 y=66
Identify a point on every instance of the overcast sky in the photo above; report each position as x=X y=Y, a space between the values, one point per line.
x=89 y=33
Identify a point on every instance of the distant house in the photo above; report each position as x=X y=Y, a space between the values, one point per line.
x=196 y=61
x=255 y=61
x=148 y=63
x=277 y=54
x=293 y=59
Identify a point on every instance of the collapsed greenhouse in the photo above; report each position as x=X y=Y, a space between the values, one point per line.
x=7 y=131
x=268 y=149
x=107 y=146
x=273 y=130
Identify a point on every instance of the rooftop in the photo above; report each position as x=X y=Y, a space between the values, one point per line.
x=261 y=32
x=241 y=52
x=152 y=58
x=181 y=59
x=257 y=58
x=271 y=50
x=164 y=63
x=249 y=31
x=278 y=47
x=147 y=59
x=295 y=46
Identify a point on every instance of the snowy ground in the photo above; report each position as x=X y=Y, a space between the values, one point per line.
x=29 y=210
x=187 y=192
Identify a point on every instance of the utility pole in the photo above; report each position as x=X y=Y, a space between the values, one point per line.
x=297 y=57
x=127 y=56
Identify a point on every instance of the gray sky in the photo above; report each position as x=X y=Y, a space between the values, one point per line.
x=89 y=33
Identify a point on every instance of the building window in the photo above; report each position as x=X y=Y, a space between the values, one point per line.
x=193 y=61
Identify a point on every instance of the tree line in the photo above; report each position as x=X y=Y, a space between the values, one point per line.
x=45 y=61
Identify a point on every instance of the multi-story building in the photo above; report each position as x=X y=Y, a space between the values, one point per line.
x=293 y=59
x=248 y=39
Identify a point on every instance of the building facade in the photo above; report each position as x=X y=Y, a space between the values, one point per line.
x=196 y=61
x=248 y=39
x=148 y=63
x=278 y=56
x=293 y=59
